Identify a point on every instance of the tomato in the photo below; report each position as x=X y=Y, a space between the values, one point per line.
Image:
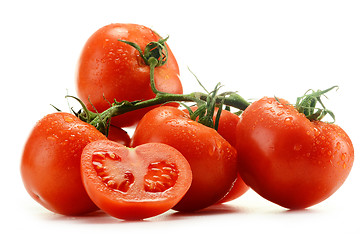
x=50 y=165
x=227 y=129
x=134 y=183
x=212 y=159
x=288 y=159
x=119 y=135
x=109 y=69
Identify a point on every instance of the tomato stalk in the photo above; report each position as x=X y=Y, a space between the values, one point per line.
x=101 y=120
x=154 y=55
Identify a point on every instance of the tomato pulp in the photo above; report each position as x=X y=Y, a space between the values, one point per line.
x=134 y=183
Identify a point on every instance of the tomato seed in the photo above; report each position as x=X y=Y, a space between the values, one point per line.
x=160 y=177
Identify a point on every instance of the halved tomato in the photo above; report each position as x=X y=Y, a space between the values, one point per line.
x=134 y=183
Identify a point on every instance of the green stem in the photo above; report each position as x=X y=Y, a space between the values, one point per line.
x=196 y=97
x=155 y=55
x=153 y=62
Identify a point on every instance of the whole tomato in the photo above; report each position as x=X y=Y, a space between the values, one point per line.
x=109 y=69
x=288 y=159
x=212 y=159
x=50 y=165
x=227 y=129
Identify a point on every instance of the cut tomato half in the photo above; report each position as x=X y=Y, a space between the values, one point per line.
x=134 y=183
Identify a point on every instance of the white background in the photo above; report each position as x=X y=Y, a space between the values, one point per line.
x=257 y=48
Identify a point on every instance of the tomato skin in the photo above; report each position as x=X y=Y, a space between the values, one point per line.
x=119 y=135
x=212 y=159
x=288 y=159
x=112 y=69
x=227 y=129
x=136 y=200
x=50 y=165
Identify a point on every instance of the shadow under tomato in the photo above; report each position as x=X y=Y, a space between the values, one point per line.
x=300 y=211
x=97 y=217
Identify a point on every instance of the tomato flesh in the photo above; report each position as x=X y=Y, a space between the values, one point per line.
x=134 y=183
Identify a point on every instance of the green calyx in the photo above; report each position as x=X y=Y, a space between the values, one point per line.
x=308 y=105
x=155 y=53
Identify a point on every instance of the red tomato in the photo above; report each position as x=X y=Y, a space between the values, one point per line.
x=212 y=159
x=119 y=135
x=227 y=129
x=50 y=165
x=134 y=183
x=109 y=69
x=288 y=159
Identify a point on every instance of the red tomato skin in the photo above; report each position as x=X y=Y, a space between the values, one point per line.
x=111 y=69
x=227 y=129
x=119 y=135
x=50 y=165
x=212 y=159
x=136 y=203
x=288 y=159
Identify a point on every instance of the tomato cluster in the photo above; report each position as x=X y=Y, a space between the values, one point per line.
x=181 y=159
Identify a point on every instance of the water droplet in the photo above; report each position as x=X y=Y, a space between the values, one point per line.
x=338 y=145
x=317 y=132
x=68 y=119
x=297 y=147
x=343 y=156
x=288 y=121
x=51 y=138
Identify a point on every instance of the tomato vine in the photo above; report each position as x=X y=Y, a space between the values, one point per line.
x=155 y=55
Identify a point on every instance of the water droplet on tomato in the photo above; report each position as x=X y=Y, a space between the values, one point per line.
x=317 y=132
x=338 y=145
x=343 y=156
x=297 y=147
x=68 y=119
x=51 y=138
x=288 y=121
